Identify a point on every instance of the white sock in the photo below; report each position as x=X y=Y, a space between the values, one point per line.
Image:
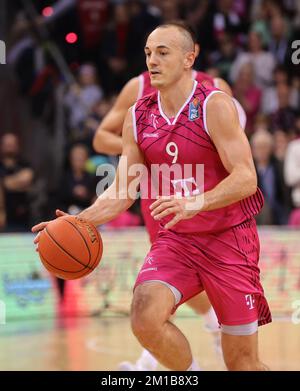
x=211 y=320
x=147 y=361
x=194 y=367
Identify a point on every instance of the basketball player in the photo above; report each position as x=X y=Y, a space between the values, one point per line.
x=108 y=140
x=206 y=240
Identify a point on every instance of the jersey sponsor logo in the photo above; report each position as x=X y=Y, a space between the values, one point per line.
x=187 y=186
x=194 y=109
x=249 y=301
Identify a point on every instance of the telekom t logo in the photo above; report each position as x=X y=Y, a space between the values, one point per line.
x=249 y=301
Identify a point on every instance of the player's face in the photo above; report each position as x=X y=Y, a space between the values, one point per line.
x=165 y=58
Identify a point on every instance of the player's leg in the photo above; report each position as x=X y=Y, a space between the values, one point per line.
x=230 y=275
x=145 y=362
x=202 y=306
x=240 y=352
x=152 y=306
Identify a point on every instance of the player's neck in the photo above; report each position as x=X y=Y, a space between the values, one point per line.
x=173 y=97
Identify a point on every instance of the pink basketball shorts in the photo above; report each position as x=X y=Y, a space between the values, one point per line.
x=224 y=264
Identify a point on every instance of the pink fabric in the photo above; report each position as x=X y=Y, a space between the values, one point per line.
x=125 y=219
x=224 y=264
x=196 y=153
x=294 y=220
x=252 y=98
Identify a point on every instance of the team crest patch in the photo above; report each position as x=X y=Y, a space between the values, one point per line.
x=194 y=109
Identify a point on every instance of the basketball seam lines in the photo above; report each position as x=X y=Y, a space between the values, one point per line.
x=99 y=240
x=73 y=225
x=70 y=255
x=63 y=270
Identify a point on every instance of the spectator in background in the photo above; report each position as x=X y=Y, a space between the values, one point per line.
x=261 y=122
x=2 y=209
x=270 y=180
x=226 y=19
x=270 y=97
x=263 y=61
x=16 y=181
x=169 y=10
x=78 y=188
x=278 y=45
x=114 y=48
x=292 y=174
x=247 y=94
x=144 y=17
x=93 y=120
x=224 y=56
x=86 y=18
x=82 y=98
x=281 y=141
x=284 y=117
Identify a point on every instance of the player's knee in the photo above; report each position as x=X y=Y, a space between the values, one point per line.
x=145 y=323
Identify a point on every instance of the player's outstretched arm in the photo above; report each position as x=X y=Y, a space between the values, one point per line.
x=122 y=193
x=108 y=137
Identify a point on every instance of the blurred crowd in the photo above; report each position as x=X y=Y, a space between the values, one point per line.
x=68 y=59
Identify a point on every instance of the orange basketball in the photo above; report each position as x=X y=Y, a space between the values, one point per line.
x=70 y=247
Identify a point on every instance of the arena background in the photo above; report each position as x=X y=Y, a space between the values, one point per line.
x=62 y=65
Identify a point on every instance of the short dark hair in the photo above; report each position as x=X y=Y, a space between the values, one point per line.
x=182 y=26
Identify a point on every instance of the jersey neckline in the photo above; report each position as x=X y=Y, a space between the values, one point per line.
x=180 y=110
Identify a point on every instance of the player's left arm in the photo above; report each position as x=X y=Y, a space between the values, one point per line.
x=235 y=153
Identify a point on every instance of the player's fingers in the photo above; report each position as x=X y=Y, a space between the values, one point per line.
x=172 y=222
x=159 y=201
x=161 y=207
x=165 y=213
x=39 y=227
x=37 y=238
x=60 y=213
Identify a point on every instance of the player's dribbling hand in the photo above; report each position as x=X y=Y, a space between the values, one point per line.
x=182 y=208
x=39 y=227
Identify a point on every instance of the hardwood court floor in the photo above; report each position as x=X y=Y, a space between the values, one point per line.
x=101 y=343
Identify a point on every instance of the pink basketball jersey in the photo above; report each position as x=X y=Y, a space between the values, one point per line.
x=184 y=142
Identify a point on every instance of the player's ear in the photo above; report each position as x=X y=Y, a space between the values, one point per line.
x=197 y=49
x=189 y=59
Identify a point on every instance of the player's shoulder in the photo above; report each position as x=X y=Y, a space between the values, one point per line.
x=132 y=85
x=221 y=104
x=204 y=78
x=203 y=90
